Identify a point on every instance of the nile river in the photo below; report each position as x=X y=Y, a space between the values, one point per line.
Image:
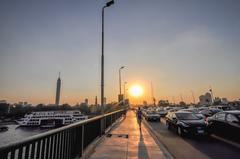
x=16 y=133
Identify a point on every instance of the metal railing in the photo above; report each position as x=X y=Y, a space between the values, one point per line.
x=67 y=142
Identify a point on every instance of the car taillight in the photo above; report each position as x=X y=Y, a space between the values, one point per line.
x=206 y=120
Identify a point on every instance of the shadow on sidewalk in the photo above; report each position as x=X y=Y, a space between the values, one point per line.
x=142 y=149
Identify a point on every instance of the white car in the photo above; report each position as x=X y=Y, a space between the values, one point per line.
x=152 y=116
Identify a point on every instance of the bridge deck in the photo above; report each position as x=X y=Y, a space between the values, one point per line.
x=127 y=141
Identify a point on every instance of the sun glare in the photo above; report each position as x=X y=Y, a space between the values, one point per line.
x=136 y=90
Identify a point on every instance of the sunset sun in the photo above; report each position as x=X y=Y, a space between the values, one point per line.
x=136 y=90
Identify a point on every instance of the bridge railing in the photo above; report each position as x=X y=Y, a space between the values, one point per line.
x=66 y=142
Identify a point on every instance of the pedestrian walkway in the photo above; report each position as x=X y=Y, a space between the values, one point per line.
x=126 y=141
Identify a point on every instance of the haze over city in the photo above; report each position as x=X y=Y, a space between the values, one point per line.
x=179 y=46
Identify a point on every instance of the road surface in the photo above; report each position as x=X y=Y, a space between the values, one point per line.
x=193 y=147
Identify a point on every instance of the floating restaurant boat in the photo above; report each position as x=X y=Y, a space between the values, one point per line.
x=47 y=119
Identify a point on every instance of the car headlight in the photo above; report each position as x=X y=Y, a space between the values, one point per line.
x=183 y=124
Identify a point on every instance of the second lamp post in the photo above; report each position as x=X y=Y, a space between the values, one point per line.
x=120 y=96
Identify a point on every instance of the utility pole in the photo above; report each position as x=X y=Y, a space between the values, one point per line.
x=153 y=98
x=211 y=91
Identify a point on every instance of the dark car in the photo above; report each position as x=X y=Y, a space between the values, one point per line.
x=210 y=112
x=186 y=123
x=226 y=124
x=196 y=112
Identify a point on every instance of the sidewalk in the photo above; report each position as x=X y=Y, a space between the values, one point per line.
x=127 y=142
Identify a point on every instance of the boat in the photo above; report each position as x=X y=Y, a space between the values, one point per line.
x=3 y=128
x=48 y=119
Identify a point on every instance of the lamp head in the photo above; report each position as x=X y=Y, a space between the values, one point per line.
x=110 y=3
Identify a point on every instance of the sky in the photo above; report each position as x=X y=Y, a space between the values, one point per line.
x=179 y=46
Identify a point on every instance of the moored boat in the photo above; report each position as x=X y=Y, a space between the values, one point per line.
x=49 y=119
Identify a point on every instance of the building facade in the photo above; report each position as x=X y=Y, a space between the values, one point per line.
x=205 y=99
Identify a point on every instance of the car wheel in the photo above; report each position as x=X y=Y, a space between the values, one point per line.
x=207 y=136
x=210 y=130
x=168 y=126
x=180 y=132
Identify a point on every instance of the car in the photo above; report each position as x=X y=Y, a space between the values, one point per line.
x=162 y=112
x=210 y=112
x=224 y=108
x=152 y=116
x=186 y=123
x=144 y=111
x=226 y=124
x=193 y=110
x=202 y=108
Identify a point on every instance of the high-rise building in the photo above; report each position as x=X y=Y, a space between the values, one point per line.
x=96 y=102
x=58 y=90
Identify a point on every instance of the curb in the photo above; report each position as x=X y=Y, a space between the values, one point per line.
x=164 y=149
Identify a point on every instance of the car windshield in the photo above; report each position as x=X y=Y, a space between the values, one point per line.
x=204 y=111
x=187 y=116
x=151 y=112
x=214 y=110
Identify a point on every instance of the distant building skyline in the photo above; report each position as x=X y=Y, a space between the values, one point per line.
x=205 y=99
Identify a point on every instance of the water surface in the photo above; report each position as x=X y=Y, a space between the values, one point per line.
x=16 y=133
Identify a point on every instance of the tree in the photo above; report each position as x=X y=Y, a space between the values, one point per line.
x=4 y=107
x=163 y=103
x=182 y=103
x=84 y=108
x=66 y=107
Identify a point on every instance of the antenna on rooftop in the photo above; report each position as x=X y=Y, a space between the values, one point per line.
x=211 y=91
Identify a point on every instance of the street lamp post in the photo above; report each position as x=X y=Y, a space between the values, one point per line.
x=124 y=90
x=120 y=82
x=108 y=4
x=124 y=93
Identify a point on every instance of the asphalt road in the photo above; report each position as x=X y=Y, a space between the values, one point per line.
x=193 y=147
